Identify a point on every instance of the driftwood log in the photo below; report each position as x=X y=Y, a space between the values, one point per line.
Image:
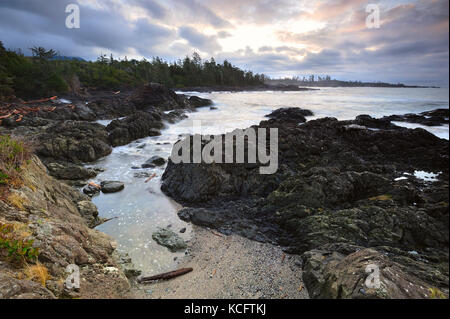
x=166 y=275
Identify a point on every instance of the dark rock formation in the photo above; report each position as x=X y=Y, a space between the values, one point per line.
x=68 y=171
x=436 y=117
x=331 y=274
x=154 y=161
x=74 y=141
x=336 y=184
x=291 y=114
x=157 y=96
x=111 y=186
x=196 y=101
x=138 y=125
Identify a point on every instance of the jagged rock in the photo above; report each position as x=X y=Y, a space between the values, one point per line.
x=68 y=171
x=336 y=183
x=201 y=217
x=74 y=141
x=332 y=275
x=89 y=212
x=51 y=216
x=12 y=288
x=158 y=96
x=141 y=124
x=436 y=117
x=91 y=190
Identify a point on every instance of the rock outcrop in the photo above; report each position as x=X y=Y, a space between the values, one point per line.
x=73 y=141
x=58 y=218
x=141 y=124
x=338 y=182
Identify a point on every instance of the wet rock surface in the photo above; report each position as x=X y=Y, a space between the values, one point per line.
x=141 y=124
x=337 y=183
x=154 y=161
x=196 y=101
x=111 y=186
x=429 y=118
x=68 y=171
x=65 y=132
x=291 y=114
x=157 y=96
x=167 y=238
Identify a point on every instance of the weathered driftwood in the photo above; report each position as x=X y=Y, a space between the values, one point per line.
x=166 y=275
x=41 y=100
x=150 y=178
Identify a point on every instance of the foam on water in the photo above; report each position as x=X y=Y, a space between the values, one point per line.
x=142 y=207
x=426 y=176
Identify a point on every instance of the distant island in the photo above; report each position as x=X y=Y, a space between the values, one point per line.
x=326 y=81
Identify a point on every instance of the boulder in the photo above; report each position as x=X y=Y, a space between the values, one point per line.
x=167 y=238
x=68 y=171
x=91 y=190
x=154 y=161
x=111 y=186
x=196 y=101
x=290 y=114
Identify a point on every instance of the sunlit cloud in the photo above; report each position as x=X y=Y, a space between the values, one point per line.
x=279 y=38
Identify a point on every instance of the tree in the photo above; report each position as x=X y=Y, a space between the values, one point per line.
x=42 y=53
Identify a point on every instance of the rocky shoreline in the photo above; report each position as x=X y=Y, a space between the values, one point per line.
x=58 y=218
x=65 y=135
x=346 y=194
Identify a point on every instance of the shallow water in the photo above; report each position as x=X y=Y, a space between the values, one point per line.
x=141 y=207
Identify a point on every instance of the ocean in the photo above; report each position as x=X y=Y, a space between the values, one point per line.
x=141 y=207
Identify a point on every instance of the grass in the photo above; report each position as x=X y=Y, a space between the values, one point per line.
x=435 y=293
x=16 y=200
x=13 y=154
x=38 y=273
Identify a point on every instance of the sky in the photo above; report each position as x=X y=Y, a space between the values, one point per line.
x=276 y=37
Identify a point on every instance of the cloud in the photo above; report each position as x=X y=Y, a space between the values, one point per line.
x=197 y=12
x=283 y=37
x=199 y=40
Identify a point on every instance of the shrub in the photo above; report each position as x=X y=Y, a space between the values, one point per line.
x=13 y=153
x=14 y=245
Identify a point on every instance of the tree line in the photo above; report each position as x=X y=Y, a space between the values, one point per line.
x=45 y=73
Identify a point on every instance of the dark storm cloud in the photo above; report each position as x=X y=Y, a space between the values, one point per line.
x=411 y=45
x=105 y=29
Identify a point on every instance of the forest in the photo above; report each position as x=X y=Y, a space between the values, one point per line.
x=46 y=73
